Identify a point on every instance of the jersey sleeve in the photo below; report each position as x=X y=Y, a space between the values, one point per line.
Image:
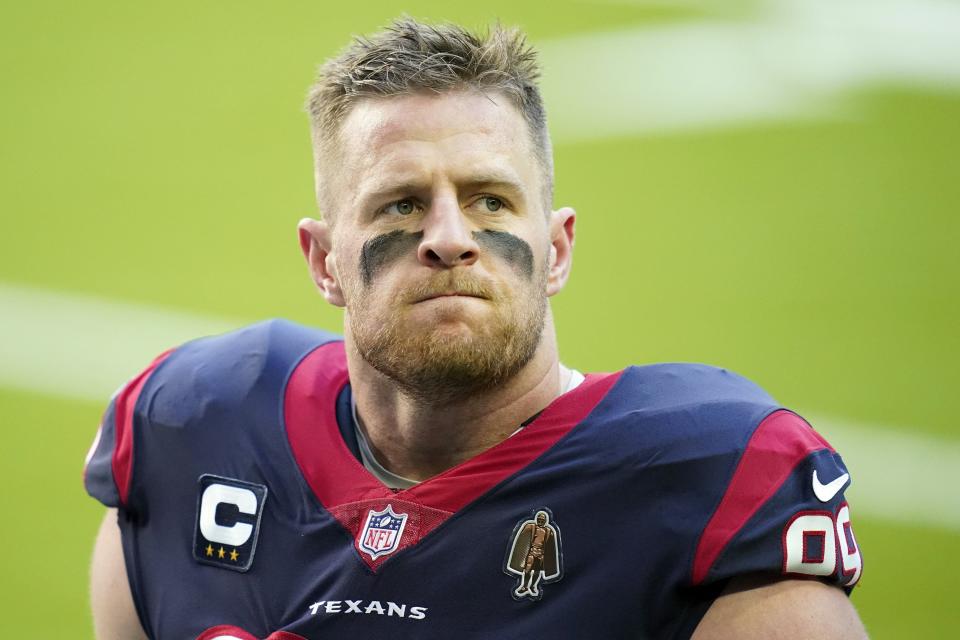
x=783 y=512
x=109 y=465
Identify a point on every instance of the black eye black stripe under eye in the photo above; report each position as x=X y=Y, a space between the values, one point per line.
x=380 y=251
x=508 y=247
x=384 y=249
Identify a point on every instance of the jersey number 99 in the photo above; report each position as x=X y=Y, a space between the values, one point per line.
x=815 y=542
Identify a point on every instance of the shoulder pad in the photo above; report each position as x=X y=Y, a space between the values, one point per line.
x=228 y=369
x=685 y=409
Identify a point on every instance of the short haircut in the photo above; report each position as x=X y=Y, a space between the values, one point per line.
x=410 y=57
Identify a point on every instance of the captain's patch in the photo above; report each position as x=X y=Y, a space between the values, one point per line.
x=228 y=522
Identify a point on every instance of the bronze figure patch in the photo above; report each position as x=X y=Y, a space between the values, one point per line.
x=535 y=555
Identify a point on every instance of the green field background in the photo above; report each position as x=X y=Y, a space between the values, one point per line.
x=157 y=153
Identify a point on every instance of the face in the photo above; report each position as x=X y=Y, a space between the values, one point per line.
x=440 y=246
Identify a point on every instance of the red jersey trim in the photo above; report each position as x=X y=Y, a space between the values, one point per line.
x=310 y=416
x=227 y=630
x=456 y=487
x=230 y=631
x=337 y=478
x=780 y=443
x=126 y=402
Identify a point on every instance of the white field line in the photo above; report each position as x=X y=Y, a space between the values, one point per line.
x=897 y=475
x=797 y=59
x=83 y=348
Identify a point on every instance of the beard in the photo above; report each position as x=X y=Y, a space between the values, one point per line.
x=436 y=367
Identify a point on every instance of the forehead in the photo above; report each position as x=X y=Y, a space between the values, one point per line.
x=419 y=136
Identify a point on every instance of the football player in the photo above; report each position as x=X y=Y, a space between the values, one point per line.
x=437 y=472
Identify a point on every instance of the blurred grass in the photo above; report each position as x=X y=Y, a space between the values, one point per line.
x=819 y=259
x=905 y=591
x=158 y=153
x=50 y=523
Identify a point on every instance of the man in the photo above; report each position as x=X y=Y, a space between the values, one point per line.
x=282 y=482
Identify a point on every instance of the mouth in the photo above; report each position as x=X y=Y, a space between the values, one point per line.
x=450 y=294
x=449 y=286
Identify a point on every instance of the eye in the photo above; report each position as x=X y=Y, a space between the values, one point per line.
x=402 y=207
x=492 y=204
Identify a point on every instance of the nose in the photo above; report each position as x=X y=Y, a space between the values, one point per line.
x=447 y=237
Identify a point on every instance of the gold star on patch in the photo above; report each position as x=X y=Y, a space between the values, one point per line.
x=234 y=555
x=209 y=549
x=221 y=553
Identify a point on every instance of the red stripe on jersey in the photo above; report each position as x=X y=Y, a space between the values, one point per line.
x=222 y=631
x=310 y=414
x=125 y=403
x=780 y=443
x=226 y=631
x=348 y=491
x=467 y=481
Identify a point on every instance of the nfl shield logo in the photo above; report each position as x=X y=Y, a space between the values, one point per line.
x=381 y=533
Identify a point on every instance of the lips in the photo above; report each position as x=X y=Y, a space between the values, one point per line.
x=448 y=285
x=450 y=294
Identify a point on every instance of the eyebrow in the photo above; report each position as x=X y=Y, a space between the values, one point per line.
x=496 y=181
x=385 y=191
x=484 y=180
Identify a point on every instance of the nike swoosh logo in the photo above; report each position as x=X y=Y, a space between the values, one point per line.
x=826 y=492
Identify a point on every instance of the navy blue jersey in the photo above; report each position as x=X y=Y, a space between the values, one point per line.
x=621 y=511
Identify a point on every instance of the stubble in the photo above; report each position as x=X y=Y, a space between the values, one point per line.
x=436 y=366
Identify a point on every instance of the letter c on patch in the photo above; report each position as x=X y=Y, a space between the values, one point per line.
x=213 y=496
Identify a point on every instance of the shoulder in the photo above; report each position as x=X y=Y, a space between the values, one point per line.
x=668 y=385
x=261 y=344
x=694 y=413
x=693 y=406
x=214 y=383
x=698 y=425
x=231 y=369
x=234 y=362
x=713 y=446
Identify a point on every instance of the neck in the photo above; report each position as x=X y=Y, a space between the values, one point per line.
x=417 y=440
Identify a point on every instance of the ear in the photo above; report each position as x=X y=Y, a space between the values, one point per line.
x=561 y=248
x=315 y=242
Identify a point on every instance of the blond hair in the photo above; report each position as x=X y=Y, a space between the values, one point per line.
x=409 y=57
